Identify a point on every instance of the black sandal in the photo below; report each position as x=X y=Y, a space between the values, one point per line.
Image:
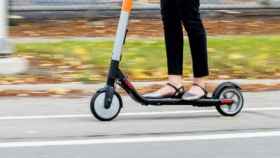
x=191 y=96
x=179 y=92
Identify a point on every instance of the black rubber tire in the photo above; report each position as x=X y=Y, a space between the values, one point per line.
x=96 y=115
x=218 y=107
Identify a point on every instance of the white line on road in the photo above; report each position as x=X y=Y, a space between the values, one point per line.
x=182 y=112
x=147 y=139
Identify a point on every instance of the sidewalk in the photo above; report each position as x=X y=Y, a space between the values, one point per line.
x=80 y=89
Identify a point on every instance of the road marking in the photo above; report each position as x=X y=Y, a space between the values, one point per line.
x=147 y=139
x=130 y=114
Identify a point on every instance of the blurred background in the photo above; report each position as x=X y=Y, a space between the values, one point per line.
x=71 y=40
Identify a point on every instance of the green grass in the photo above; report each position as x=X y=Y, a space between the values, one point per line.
x=234 y=56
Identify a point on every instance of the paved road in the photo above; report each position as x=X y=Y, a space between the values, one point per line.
x=64 y=127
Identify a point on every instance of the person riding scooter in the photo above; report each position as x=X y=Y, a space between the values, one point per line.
x=174 y=14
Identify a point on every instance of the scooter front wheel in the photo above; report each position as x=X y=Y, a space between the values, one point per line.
x=99 y=110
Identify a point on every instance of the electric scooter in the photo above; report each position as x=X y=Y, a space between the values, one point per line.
x=106 y=104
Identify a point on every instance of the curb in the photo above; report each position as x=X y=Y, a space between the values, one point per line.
x=81 y=89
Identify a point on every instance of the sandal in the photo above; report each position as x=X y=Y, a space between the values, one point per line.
x=177 y=94
x=191 y=96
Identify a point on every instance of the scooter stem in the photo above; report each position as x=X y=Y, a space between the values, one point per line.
x=117 y=51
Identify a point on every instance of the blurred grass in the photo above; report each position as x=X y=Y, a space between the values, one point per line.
x=229 y=57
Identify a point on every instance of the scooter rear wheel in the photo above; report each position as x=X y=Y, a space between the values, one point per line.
x=238 y=101
x=99 y=110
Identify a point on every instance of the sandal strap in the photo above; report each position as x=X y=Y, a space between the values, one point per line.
x=177 y=90
x=204 y=90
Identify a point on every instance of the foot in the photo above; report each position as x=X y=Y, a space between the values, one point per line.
x=197 y=91
x=168 y=91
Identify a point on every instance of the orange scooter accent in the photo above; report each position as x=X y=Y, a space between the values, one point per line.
x=127 y=6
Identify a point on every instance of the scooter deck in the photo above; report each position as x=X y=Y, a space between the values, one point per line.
x=174 y=101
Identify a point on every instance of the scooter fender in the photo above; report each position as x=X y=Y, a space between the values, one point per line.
x=223 y=86
x=101 y=90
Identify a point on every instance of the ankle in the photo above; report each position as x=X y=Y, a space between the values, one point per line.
x=176 y=84
x=199 y=81
x=175 y=80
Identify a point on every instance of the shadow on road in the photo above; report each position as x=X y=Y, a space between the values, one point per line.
x=153 y=118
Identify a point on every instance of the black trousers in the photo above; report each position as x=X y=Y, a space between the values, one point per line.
x=186 y=12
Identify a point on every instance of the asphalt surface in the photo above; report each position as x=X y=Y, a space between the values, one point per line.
x=64 y=127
